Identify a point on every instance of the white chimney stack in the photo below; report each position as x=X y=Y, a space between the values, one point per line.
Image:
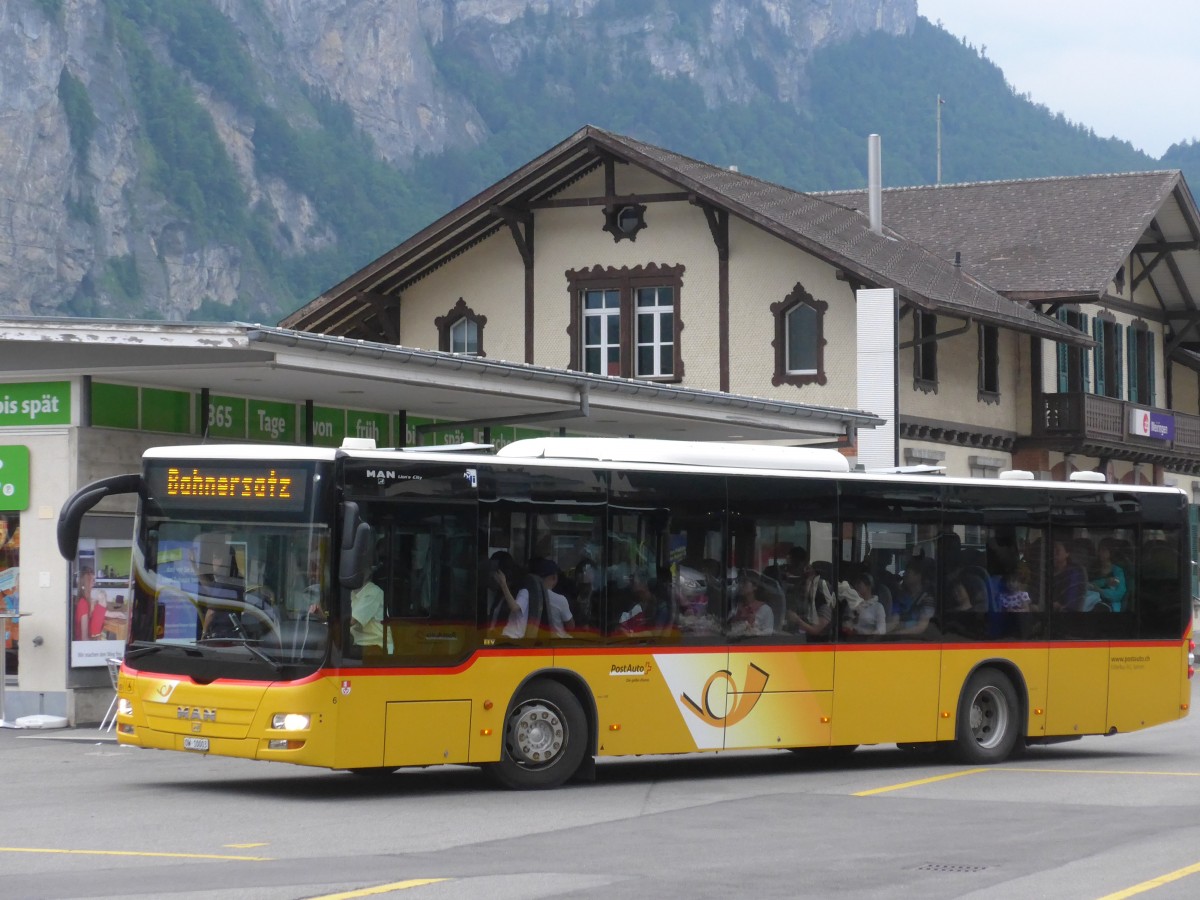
x=874 y=184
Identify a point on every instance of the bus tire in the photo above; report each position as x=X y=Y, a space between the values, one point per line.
x=988 y=718
x=545 y=738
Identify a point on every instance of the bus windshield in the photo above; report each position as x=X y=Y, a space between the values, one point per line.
x=227 y=577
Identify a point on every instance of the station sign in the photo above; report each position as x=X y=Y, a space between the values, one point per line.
x=1145 y=423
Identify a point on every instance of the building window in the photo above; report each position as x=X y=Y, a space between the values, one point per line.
x=602 y=332
x=1107 y=355
x=989 y=364
x=925 y=373
x=799 y=339
x=461 y=330
x=655 y=332
x=1073 y=361
x=1139 y=342
x=625 y=322
x=464 y=336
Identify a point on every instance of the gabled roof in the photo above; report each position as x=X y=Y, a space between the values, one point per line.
x=1043 y=237
x=829 y=230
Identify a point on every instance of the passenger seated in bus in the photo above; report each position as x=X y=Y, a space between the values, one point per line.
x=809 y=599
x=1068 y=580
x=1014 y=591
x=643 y=610
x=584 y=577
x=752 y=615
x=862 y=612
x=1108 y=578
x=916 y=606
x=558 y=611
x=543 y=576
x=968 y=593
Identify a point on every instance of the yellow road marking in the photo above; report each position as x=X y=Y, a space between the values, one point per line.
x=908 y=784
x=1099 y=772
x=381 y=889
x=134 y=853
x=1017 y=770
x=1154 y=883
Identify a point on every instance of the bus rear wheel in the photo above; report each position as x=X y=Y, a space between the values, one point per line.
x=545 y=738
x=988 y=725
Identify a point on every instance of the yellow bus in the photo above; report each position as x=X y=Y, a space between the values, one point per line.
x=531 y=609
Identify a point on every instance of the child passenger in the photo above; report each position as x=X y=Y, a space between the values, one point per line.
x=1014 y=597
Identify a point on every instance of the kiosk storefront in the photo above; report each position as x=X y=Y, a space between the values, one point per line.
x=82 y=400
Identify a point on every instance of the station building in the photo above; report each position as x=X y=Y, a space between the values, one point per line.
x=610 y=287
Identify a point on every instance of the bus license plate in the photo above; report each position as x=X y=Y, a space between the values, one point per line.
x=194 y=743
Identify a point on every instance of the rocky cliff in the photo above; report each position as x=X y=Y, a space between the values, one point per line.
x=157 y=156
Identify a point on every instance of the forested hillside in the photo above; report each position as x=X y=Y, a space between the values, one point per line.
x=220 y=159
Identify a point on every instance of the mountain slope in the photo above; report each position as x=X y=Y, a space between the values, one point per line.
x=232 y=158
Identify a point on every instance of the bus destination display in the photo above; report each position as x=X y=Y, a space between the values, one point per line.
x=209 y=485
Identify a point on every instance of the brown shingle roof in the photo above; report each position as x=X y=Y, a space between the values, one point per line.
x=840 y=234
x=1048 y=235
x=829 y=230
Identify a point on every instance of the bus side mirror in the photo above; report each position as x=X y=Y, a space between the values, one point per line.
x=358 y=546
x=70 y=517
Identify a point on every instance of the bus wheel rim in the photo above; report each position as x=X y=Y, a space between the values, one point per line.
x=537 y=733
x=989 y=717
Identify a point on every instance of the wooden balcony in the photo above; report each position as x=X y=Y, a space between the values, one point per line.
x=1099 y=426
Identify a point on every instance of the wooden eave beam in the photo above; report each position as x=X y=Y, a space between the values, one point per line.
x=718 y=225
x=1166 y=246
x=387 y=313
x=620 y=200
x=1147 y=269
x=520 y=225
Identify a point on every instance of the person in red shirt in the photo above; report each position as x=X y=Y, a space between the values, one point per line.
x=82 y=620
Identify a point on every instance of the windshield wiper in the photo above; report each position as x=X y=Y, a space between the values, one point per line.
x=242 y=642
x=147 y=649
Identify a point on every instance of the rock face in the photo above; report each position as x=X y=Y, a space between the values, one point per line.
x=87 y=227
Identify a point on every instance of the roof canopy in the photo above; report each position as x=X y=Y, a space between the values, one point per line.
x=280 y=364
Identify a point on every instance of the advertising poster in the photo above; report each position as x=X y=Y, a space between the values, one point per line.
x=99 y=604
x=10 y=562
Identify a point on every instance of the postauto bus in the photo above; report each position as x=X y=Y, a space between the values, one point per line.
x=564 y=599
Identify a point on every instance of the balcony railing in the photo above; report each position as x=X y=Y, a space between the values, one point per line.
x=1088 y=418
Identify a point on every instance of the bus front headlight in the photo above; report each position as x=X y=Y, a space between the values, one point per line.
x=290 y=722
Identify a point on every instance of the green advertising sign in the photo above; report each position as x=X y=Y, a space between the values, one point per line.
x=169 y=411
x=375 y=425
x=35 y=403
x=271 y=421
x=329 y=426
x=14 y=478
x=114 y=405
x=226 y=417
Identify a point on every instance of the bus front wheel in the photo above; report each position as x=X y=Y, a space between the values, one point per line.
x=988 y=725
x=545 y=738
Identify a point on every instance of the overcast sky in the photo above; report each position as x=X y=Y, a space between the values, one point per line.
x=1125 y=69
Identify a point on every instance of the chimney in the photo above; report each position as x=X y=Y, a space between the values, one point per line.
x=874 y=184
